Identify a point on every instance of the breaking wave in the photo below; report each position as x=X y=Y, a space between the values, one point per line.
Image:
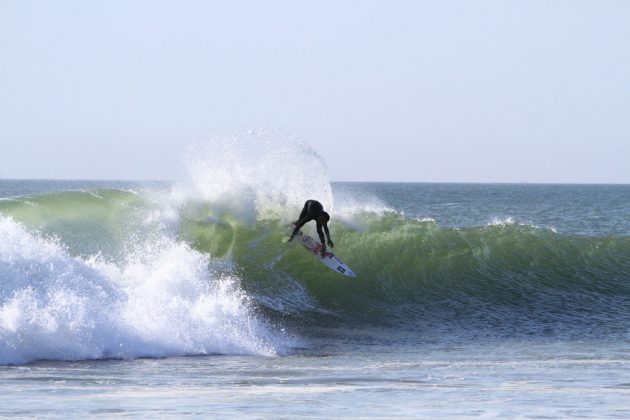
x=201 y=268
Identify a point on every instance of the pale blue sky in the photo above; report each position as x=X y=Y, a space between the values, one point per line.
x=472 y=91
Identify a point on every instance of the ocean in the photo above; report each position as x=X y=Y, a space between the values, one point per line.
x=180 y=299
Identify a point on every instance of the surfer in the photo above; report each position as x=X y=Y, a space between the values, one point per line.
x=313 y=210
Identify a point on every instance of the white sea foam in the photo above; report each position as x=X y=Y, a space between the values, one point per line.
x=351 y=204
x=166 y=299
x=509 y=221
x=425 y=220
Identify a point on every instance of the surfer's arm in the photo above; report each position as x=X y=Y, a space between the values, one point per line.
x=330 y=242
x=321 y=236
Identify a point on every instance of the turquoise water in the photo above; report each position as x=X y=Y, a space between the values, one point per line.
x=158 y=299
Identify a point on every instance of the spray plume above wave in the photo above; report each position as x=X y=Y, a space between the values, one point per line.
x=261 y=173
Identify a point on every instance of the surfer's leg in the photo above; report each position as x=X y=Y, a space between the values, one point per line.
x=298 y=226
x=302 y=214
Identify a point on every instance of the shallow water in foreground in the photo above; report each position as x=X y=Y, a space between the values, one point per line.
x=508 y=379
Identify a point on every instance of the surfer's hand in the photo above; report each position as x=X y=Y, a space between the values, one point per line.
x=331 y=244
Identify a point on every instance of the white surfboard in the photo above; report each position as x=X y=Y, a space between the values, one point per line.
x=329 y=259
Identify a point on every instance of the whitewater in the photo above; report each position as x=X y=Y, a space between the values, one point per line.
x=180 y=298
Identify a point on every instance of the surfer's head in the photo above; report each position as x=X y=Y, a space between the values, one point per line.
x=323 y=218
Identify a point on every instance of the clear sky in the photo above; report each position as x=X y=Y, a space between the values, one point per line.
x=472 y=91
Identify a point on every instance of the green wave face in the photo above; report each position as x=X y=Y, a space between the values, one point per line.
x=408 y=268
x=87 y=222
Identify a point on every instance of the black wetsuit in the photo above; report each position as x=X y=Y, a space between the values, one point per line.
x=311 y=211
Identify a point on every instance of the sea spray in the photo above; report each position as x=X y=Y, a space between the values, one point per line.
x=257 y=174
x=166 y=300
